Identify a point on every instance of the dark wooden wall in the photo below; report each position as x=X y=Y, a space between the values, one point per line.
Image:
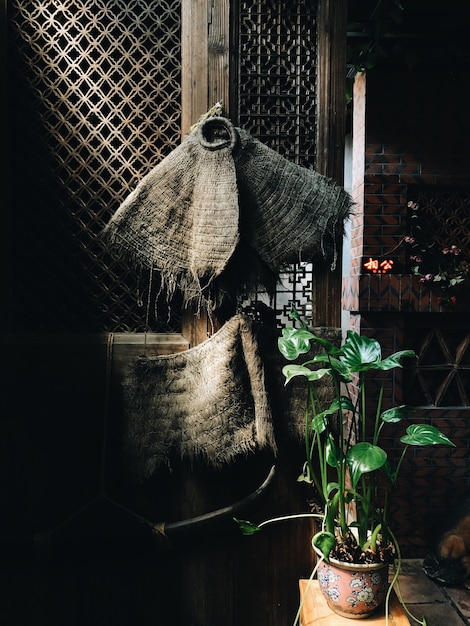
x=74 y=543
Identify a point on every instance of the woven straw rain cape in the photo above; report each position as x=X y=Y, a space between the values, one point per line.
x=182 y=218
x=288 y=212
x=209 y=402
x=219 y=189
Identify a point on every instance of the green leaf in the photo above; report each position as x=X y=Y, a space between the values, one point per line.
x=393 y=360
x=360 y=352
x=294 y=342
x=246 y=527
x=341 y=404
x=305 y=476
x=332 y=452
x=391 y=416
x=340 y=371
x=425 y=435
x=331 y=487
x=290 y=371
x=315 y=375
x=319 y=424
x=344 y=404
x=362 y=458
x=388 y=471
x=325 y=542
x=328 y=347
x=294 y=315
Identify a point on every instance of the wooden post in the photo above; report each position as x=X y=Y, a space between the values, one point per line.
x=332 y=14
x=194 y=75
x=204 y=81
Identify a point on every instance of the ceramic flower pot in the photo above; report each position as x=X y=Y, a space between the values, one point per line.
x=353 y=590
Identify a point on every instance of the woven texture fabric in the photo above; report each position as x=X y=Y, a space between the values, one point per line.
x=221 y=192
x=182 y=218
x=209 y=402
x=288 y=212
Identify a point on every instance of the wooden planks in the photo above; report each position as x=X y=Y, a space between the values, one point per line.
x=326 y=309
x=205 y=81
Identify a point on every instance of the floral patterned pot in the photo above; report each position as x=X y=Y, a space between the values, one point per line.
x=353 y=590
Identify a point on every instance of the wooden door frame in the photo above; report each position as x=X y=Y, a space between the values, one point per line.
x=208 y=65
x=331 y=112
x=205 y=80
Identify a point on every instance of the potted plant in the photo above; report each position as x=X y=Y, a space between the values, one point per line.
x=346 y=464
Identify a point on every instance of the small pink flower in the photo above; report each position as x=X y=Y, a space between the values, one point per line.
x=410 y=240
x=428 y=277
x=445 y=250
x=453 y=299
x=413 y=206
x=455 y=250
x=419 y=259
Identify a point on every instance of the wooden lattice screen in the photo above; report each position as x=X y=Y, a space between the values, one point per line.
x=277 y=102
x=441 y=376
x=95 y=103
x=447 y=212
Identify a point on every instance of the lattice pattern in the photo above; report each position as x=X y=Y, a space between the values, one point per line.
x=441 y=377
x=447 y=210
x=294 y=290
x=277 y=101
x=95 y=104
x=277 y=95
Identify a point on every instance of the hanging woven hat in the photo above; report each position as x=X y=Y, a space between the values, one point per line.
x=287 y=212
x=182 y=219
x=209 y=402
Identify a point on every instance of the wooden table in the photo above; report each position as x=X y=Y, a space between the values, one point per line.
x=316 y=611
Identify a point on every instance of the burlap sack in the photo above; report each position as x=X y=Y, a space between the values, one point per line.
x=182 y=218
x=288 y=212
x=223 y=192
x=209 y=402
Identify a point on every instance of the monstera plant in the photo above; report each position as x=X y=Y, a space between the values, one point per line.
x=345 y=462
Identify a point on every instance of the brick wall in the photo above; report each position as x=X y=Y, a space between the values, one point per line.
x=408 y=130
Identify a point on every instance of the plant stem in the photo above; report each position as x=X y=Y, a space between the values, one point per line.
x=304 y=597
x=394 y=584
x=284 y=518
x=362 y=390
x=397 y=470
x=309 y=446
x=373 y=537
x=377 y=415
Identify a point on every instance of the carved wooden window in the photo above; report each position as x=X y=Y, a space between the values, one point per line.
x=94 y=103
x=447 y=213
x=277 y=103
x=441 y=376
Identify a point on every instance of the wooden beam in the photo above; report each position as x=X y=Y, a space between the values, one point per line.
x=194 y=61
x=218 y=53
x=204 y=81
x=331 y=87
x=331 y=83
x=205 y=43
